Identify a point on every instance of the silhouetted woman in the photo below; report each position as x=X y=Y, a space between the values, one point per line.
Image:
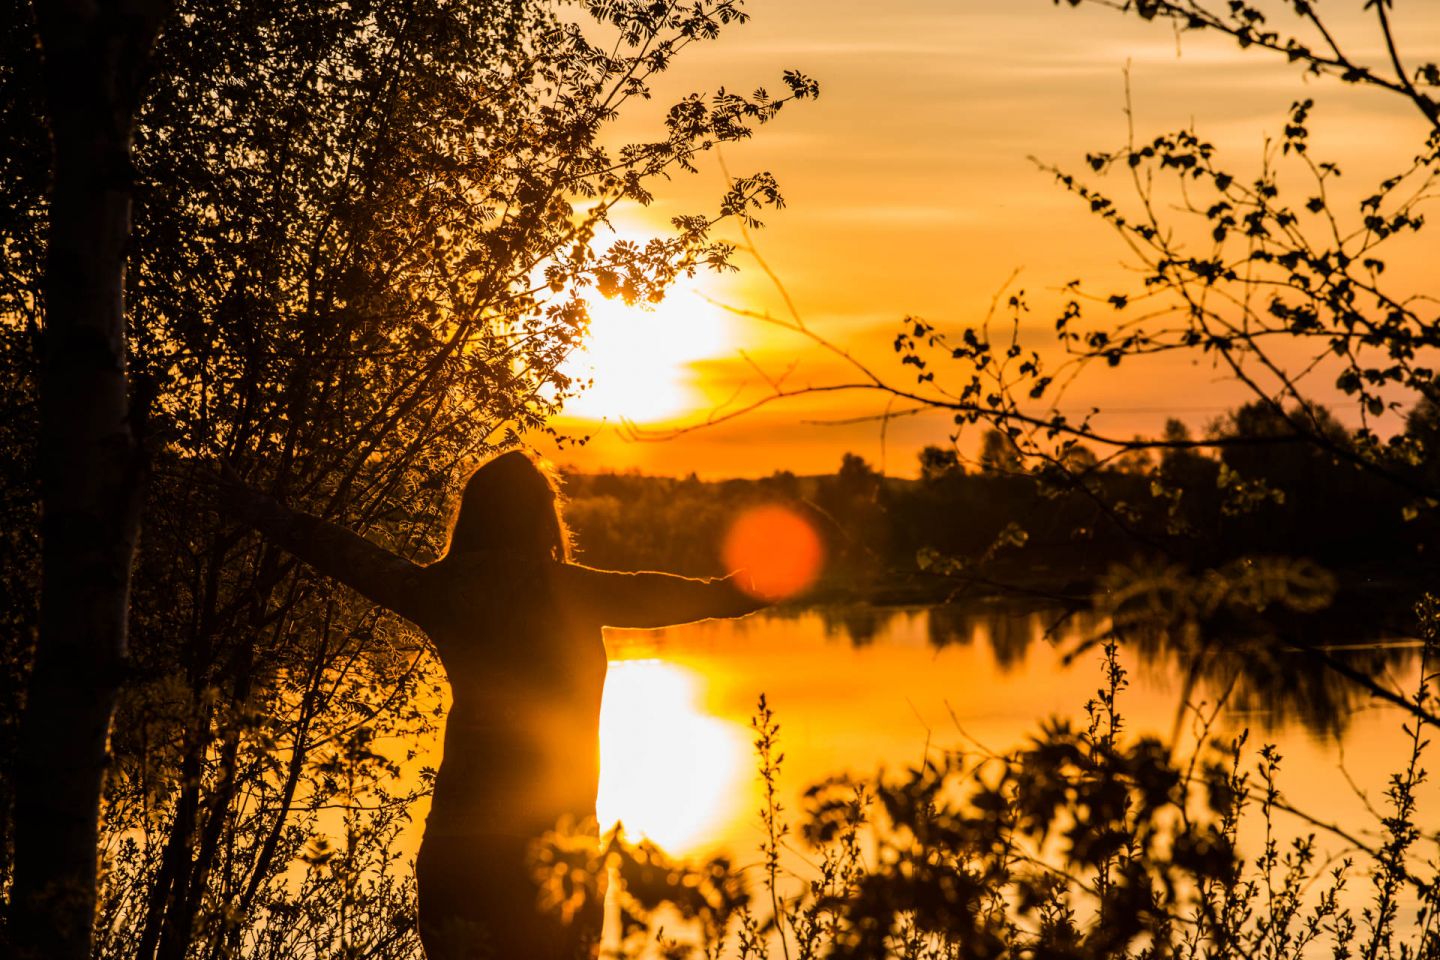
x=517 y=627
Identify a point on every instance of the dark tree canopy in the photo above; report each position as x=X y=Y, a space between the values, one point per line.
x=362 y=237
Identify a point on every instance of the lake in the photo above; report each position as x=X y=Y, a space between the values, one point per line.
x=862 y=690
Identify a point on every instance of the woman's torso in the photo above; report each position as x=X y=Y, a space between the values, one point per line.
x=526 y=676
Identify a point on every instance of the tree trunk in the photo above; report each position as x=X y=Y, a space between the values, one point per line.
x=90 y=470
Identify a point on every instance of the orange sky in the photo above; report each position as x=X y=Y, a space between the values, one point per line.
x=909 y=192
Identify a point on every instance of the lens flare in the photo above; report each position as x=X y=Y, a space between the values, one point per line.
x=777 y=547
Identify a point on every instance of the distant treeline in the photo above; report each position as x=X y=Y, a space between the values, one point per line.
x=998 y=524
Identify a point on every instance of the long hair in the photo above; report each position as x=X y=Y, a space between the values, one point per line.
x=510 y=502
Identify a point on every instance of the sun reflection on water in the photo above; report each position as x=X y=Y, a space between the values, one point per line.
x=668 y=771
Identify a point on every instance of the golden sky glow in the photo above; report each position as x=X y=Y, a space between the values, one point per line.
x=909 y=192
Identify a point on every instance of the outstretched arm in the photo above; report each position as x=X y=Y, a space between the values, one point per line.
x=374 y=572
x=646 y=600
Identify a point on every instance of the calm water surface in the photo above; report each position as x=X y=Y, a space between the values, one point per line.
x=864 y=690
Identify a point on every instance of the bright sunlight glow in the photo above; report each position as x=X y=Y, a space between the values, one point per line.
x=640 y=357
x=668 y=771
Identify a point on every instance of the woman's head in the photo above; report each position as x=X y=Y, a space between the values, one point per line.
x=510 y=503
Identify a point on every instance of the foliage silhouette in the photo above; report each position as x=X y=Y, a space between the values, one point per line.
x=363 y=235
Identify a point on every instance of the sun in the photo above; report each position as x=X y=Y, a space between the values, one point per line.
x=668 y=771
x=640 y=360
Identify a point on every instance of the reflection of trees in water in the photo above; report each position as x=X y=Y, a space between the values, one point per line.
x=1258 y=632
x=859 y=623
x=950 y=625
x=1007 y=630
x=1270 y=670
x=1267 y=663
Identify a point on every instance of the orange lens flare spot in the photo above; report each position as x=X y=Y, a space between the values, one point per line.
x=777 y=547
